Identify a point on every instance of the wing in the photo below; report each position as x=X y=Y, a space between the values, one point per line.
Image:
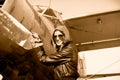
x=90 y=76
x=95 y=31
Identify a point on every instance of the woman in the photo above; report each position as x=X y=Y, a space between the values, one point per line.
x=64 y=59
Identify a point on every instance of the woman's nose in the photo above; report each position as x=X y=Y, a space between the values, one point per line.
x=57 y=38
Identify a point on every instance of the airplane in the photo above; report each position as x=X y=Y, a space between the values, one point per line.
x=27 y=16
x=14 y=28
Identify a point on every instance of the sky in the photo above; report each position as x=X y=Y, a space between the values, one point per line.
x=78 y=8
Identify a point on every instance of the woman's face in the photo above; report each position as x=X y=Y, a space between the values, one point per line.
x=59 y=38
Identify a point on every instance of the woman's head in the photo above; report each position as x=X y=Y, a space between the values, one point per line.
x=58 y=37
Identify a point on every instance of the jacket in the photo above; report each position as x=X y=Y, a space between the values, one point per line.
x=64 y=61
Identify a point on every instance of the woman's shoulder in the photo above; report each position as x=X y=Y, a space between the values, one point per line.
x=70 y=44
